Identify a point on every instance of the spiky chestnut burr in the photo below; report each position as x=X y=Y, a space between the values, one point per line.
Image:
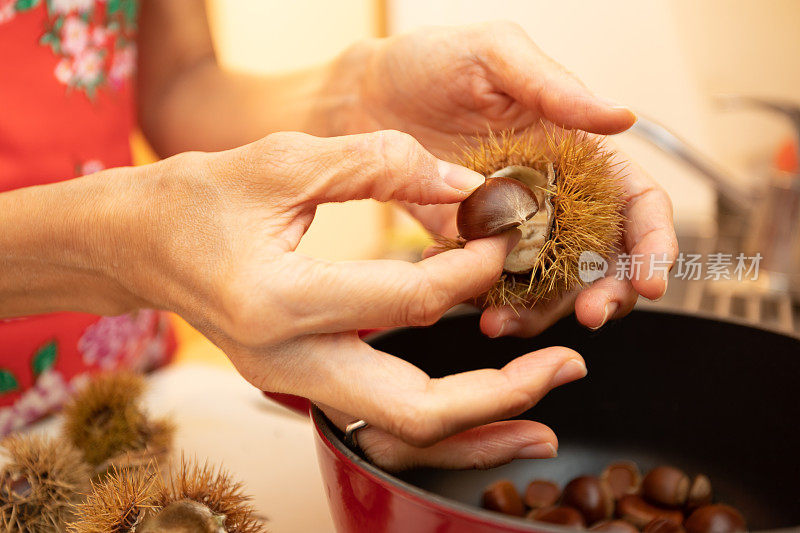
x=195 y=499
x=106 y=422
x=580 y=199
x=41 y=480
x=119 y=503
x=223 y=502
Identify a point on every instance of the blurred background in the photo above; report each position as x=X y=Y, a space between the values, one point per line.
x=672 y=61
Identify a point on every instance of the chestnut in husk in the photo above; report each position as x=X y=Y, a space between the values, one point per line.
x=500 y=204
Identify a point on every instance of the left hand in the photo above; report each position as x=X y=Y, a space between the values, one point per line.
x=440 y=84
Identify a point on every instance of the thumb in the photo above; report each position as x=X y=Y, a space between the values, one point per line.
x=388 y=165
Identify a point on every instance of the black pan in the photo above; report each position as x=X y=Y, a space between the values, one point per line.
x=704 y=395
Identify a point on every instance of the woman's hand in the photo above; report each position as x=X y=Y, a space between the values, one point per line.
x=218 y=232
x=443 y=83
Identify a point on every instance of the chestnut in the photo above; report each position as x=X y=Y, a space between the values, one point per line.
x=502 y=496
x=541 y=493
x=622 y=478
x=700 y=492
x=666 y=485
x=562 y=515
x=717 y=518
x=614 y=526
x=498 y=205
x=590 y=496
x=638 y=512
x=663 y=525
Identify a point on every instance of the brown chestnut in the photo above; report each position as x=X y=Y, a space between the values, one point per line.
x=622 y=478
x=640 y=513
x=498 y=205
x=663 y=525
x=565 y=516
x=614 y=526
x=541 y=493
x=700 y=492
x=666 y=486
x=717 y=518
x=502 y=496
x=590 y=496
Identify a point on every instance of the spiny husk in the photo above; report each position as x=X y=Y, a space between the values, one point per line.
x=119 y=503
x=215 y=489
x=39 y=483
x=588 y=204
x=105 y=420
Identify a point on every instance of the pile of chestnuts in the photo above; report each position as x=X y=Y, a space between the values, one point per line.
x=620 y=500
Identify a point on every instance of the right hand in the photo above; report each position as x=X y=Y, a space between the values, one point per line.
x=215 y=240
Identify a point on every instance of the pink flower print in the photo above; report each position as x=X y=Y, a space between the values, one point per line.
x=100 y=36
x=74 y=36
x=123 y=64
x=67 y=6
x=89 y=67
x=64 y=71
x=46 y=396
x=90 y=167
x=7 y=10
x=117 y=340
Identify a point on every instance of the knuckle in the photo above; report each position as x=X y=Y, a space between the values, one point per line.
x=417 y=425
x=394 y=148
x=425 y=305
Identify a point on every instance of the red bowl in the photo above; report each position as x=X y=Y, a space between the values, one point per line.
x=662 y=389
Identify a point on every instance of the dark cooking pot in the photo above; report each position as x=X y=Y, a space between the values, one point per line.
x=707 y=396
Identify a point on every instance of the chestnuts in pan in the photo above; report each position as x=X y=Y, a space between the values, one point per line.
x=591 y=497
x=502 y=496
x=666 y=486
x=541 y=493
x=718 y=518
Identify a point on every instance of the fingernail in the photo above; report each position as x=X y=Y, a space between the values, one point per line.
x=514 y=237
x=666 y=284
x=459 y=177
x=569 y=371
x=542 y=450
x=509 y=326
x=610 y=309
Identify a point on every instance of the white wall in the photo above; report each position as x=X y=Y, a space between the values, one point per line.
x=665 y=59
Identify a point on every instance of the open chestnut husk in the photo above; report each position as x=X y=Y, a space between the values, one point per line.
x=500 y=204
x=666 y=486
x=502 y=496
x=717 y=518
x=591 y=497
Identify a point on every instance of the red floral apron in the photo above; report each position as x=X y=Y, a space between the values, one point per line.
x=67 y=109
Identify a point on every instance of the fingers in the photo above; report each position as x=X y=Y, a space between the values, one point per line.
x=393 y=395
x=521 y=322
x=605 y=299
x=523 y=71
x=382 y=165
x=482 y=447
x=648 y=231
x=321 y=297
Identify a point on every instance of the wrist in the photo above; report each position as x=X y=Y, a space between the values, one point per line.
x=58 y=243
